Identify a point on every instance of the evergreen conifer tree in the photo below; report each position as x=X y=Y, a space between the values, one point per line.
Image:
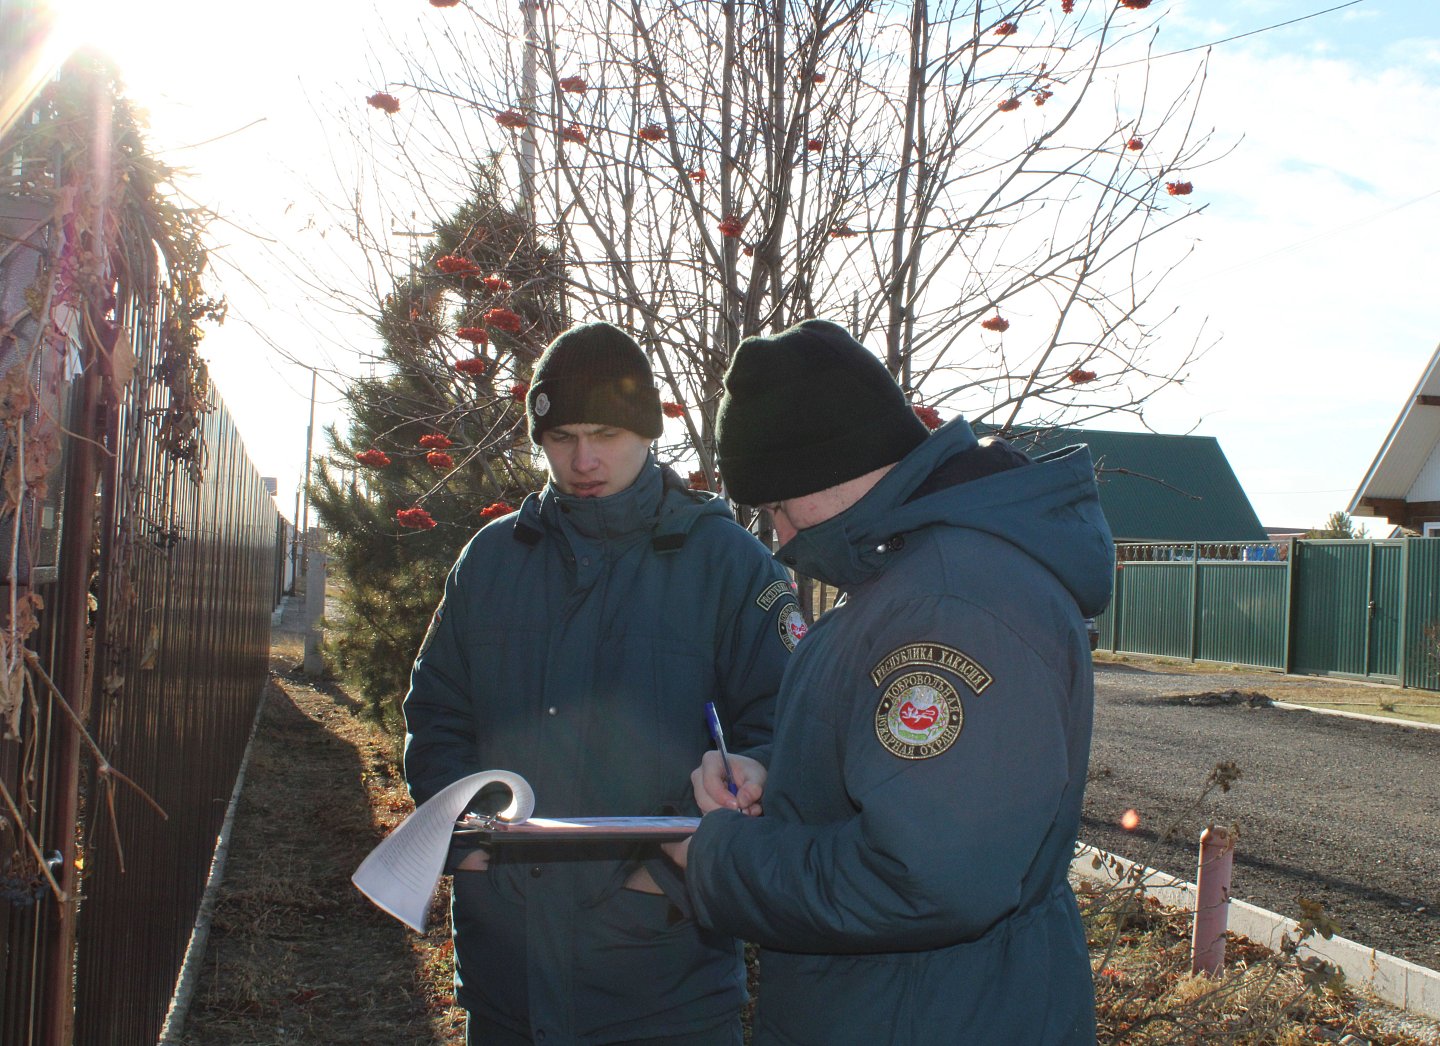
x=437 y=443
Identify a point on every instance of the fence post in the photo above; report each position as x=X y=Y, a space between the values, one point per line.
x=57 y=1020
x=1212 y=900
x=314 y=609
x=1403 y=639
x=1194 y=600
x=1117 y=602
x=1291 y=571
x=1370 y=605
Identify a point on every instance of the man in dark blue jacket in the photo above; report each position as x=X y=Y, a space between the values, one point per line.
x=577 y=643
x=908 y=880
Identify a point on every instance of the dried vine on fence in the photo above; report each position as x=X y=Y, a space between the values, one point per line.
x=108 y=246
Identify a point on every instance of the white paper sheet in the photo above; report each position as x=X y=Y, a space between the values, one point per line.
x=400 y=875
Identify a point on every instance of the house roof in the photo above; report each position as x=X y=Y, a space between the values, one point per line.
x=1281 y=533
x=1406 y=451
x=1156 y=487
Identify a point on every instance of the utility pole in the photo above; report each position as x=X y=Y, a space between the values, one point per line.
x=305 y=512
x=529 y=92
x=415 y=236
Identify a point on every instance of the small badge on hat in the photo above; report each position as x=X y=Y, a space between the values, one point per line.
x=542 y=405
x=792 y=626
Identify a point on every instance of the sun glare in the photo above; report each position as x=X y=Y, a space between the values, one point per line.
x=125 y=30
x=173 y=57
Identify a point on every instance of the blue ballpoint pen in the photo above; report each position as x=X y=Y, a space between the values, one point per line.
x=713 y=719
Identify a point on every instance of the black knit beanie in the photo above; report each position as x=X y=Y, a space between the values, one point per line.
x=807 y=409
x=593 y=374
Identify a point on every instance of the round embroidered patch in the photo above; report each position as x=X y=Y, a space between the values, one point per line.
x=919 y=716
x=792 y=626
x=542 y=405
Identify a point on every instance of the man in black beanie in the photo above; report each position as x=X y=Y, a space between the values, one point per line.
x=577 y=643
x=908 y=881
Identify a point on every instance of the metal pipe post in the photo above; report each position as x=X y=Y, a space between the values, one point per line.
x=1212 y=900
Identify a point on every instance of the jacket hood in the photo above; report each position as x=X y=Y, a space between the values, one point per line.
x=1049 y=509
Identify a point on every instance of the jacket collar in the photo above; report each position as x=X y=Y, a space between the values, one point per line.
x=617 y=517
x=848 y=548
x=1050 y=510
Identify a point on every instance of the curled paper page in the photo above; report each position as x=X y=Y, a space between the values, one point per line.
x=400 y=875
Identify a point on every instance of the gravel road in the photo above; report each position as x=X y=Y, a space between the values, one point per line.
x=1341 y=811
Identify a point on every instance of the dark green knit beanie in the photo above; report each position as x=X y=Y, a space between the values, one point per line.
x=807 y=409
x=593 y=374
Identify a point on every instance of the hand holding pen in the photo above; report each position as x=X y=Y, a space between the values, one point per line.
x=717 y=734
x=723 y=780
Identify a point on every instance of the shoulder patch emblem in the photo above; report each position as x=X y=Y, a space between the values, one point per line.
x=765 y=600
x=934 y=655
x=792 y=625
x=919 y=716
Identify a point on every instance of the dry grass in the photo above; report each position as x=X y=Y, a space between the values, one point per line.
x=1414 y=706
x=1146 y=995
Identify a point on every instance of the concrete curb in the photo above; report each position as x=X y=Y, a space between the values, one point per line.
x=1392 y=980
x=1389 y=720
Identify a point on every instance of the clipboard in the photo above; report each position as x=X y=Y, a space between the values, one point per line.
x=400 y=875
x=489 y=829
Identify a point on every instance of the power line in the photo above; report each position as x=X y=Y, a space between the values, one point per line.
x=1335 y=490
x=1319 y=236
x=1237 y=36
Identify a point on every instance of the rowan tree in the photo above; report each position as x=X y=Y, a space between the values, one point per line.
x=429 y=453
x=984 y=192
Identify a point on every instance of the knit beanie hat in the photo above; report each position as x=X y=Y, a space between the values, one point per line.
x=807 y=409
x=593 y=374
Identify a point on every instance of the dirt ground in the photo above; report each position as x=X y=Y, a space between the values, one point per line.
x=296 y=954
x=1390 y=702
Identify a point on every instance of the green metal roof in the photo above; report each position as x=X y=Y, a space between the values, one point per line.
x=1160 y=488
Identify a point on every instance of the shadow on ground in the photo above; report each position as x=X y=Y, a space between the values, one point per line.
x=295 y=953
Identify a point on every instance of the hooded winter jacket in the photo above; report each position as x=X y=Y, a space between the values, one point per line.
x=908 y=880
x=577 y=643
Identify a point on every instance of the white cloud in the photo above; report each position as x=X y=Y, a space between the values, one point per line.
x=1316 y=264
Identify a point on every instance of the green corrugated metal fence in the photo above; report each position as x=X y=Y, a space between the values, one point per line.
x=1386 y=605
x=1238 y=619
x=1420 y=621
x=1164 y=625
x=1367 y=609
x=1331 y=596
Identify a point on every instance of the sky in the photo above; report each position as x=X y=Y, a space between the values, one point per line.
x=1313 y=271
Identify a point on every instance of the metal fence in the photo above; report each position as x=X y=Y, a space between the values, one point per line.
x=1358 y=609
x=156 y=630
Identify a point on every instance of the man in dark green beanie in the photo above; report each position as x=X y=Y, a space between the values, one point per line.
x=577 y=643
x=908 y=883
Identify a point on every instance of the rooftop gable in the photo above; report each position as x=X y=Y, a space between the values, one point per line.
x=1156 y=487
x=1405 y=476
